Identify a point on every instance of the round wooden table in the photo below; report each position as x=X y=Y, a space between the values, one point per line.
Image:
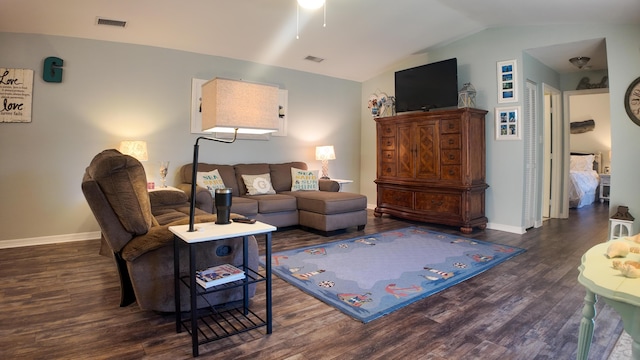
x=600 y=279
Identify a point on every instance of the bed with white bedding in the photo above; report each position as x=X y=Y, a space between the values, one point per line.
x=583 y=179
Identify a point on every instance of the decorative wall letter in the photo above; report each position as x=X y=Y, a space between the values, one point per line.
x=52 y=69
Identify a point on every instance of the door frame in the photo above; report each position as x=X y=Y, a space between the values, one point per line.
x=558 y=151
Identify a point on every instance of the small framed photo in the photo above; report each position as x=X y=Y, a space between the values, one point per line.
x=508 y=124
x=507 y=81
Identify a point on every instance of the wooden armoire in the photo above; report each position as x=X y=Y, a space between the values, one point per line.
x=431 y=167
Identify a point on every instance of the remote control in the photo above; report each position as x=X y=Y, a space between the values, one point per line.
x=244 y=220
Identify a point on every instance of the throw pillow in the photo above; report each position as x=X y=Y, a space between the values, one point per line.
x=304 y=179
x=210 y=180
x=258 y=184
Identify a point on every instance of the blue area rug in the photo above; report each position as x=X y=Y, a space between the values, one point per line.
x=370 y=276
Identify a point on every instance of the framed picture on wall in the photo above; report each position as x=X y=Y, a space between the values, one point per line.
x=507 y=81
x=508 y=123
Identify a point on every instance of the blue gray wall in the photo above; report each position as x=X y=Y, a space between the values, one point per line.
x=112 y=92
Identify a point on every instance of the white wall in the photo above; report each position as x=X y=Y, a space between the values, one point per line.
x=112 y=92
x=477 y=56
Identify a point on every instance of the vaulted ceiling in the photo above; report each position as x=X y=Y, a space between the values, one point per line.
x=362 y=38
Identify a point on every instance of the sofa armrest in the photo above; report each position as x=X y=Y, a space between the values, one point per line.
x=204 y=200
x=167 y=198
x=157 y=237
x=328 y=185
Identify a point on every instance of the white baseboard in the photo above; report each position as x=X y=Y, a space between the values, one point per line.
x=44 y=240
x=506 y=228
x=492 y=226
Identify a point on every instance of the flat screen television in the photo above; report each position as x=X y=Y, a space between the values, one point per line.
x=427 y=87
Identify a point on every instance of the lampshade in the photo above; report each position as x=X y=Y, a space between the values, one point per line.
x=231 y=104
x=325 y=153
x=135 y=148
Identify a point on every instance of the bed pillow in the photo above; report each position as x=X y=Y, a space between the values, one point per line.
x=258 y=184
x=210 y=180
x=304 y=179
x=581 y=163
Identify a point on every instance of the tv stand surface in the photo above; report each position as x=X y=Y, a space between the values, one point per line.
x=443 y=108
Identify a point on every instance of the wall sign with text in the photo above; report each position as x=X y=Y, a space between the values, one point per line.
x=16 y=90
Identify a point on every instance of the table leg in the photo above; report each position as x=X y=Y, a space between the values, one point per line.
x=267 y=261
x=176 y=277
x=194 y=299
x=586 y=325
x=245 y=265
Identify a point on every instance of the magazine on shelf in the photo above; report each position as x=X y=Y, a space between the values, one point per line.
x=218 y=275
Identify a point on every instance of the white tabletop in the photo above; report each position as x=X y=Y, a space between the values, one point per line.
x=212 y=231
x=342 y=181
x=599 y=276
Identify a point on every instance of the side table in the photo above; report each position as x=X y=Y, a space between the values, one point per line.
x=599 y=278
x=244 y=320
x=342 y=182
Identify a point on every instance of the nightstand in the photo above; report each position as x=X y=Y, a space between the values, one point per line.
x=605 y=187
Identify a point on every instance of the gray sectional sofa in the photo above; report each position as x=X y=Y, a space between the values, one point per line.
x=326 y=209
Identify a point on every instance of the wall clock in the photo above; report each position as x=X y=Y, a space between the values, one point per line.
x=632 y=101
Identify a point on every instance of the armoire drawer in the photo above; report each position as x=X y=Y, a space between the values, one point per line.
x=387 y=143
x=396 y=198
x=451 y=157
x=450 y=204
x=450 y=141
x=388 y=156
x=450 y=126
x=387 y=169
x=388 y=130
x=451 y=172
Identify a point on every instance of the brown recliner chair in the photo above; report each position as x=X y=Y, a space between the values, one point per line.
x=134 y=225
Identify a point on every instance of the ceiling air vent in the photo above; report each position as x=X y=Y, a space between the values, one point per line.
x=314 y=58
x=111 y=22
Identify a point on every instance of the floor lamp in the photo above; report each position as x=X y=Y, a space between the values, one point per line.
x=232 y=106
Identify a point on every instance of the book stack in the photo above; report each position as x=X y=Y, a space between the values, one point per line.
x=218 y=275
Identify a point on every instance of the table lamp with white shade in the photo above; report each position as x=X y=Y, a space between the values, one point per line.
x=325 y=153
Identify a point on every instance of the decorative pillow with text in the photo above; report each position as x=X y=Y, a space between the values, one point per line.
x=258 y=184
x=304 y=179
x=210 y=180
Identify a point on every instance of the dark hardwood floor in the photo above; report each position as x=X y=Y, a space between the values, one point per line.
x=61 y=302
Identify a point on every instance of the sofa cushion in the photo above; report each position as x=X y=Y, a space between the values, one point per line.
x=244 y=206
x=324 y=202
x=281 y=174
x=275 y=203
x=302 y=180
x=248 y=169
x=211 y=180
x=227 y=173
x=258 y=184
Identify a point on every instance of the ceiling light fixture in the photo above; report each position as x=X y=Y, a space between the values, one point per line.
x=310 y=5
x=579 y=61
